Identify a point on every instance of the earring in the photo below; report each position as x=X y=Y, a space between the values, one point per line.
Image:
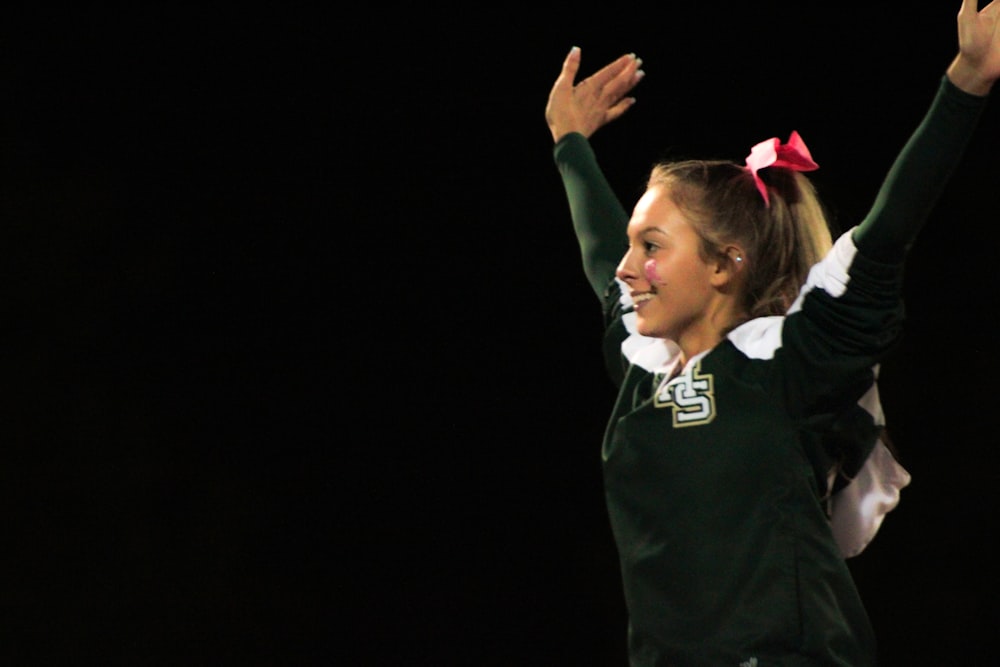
x=739 y=258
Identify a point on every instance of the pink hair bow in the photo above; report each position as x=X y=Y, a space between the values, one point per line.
x=772 y=153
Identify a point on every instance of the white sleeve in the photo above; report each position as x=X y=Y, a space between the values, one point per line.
x=858 y=509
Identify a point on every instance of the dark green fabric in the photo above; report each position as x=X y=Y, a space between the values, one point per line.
x=726 y=551
x=919 y=175
x=599 y=219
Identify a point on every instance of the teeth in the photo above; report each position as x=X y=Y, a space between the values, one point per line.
x=639 y=298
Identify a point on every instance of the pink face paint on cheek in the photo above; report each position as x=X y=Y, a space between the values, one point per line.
x=650 y=269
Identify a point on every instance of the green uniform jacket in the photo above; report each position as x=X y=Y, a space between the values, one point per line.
x=716 y=478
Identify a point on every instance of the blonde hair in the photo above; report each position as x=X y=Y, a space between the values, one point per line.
x=780 y=241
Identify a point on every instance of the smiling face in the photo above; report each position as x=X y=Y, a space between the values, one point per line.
x=678 y=294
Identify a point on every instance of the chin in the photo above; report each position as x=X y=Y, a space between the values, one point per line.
x=651 y=330
x=645 y=329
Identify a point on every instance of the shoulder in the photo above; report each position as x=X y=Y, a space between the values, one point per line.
x=759 y=338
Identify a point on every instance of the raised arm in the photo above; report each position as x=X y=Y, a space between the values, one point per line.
x=573 y=113
x=922 y=169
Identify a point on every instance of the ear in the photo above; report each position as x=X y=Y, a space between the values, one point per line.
x=729 y=265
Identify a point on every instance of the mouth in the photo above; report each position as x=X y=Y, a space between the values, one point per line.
x=639 y=299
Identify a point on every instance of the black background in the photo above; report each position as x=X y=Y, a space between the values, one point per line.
x=299 y=363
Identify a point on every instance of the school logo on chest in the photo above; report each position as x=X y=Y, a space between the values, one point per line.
x=690 y=397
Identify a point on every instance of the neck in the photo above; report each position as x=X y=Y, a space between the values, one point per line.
x=711 y=331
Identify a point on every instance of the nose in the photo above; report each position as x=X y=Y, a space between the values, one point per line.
x=625 y=272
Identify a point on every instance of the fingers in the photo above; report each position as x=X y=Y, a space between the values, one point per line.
x=612 y=69
x=616 y=79
x=990 y=9
x=977 y=65
x=970 y=9
x=571 y=65
x=586 y=106
x=616 y=111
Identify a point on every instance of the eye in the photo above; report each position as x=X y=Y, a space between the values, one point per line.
x=649 y=247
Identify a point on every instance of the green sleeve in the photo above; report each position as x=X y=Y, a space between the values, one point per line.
x=919 y=175
x=599 y=219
